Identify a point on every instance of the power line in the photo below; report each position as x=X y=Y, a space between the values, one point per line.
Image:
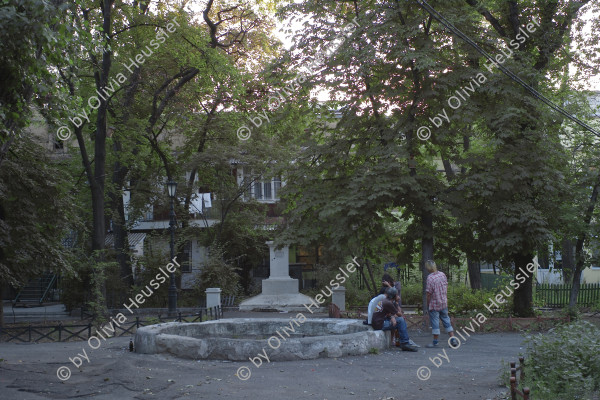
x=440 y=18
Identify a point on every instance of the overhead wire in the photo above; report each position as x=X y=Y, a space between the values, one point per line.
x=440 y=18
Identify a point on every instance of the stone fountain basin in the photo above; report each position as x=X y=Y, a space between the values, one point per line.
x=238 y=339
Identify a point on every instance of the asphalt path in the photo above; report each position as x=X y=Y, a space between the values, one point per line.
x=29 y=372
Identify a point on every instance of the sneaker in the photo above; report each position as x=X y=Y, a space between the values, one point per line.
x=410 y=341
x=454 y=342
x=408 y=347
x=433 y=345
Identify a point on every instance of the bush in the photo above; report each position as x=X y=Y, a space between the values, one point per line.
x=218 y=273
x=412 y=293
x=462 y=300
x=150 y=265
x=356 y=297
x=564 y=364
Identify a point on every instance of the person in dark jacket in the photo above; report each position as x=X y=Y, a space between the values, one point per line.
x=387 y=282
x=386 y=318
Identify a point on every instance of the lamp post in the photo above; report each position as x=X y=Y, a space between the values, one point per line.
x=172 y=189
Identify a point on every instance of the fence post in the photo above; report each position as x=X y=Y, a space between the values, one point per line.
x=526 y=393
x=30 y=333
x=513 y=381
x=137 y=322
x=59 y=331
x=89 y=330
x=522 y=368
x=179 y=316
x=213 y=297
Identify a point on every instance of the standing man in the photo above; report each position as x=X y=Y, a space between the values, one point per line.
x=437 y=303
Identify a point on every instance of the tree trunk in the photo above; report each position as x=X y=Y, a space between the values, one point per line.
x=523 y=297
x=1 y=303
x=474 y=273
x=577 y=275
x=121 y=244
x=371 y=276
x=98 y=189
x=426 y=252
x=568 y=260
x=579 y=255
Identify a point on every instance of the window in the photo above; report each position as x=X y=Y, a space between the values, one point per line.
x=276 y=187
x=267 y=191
x=257 y=193
x=148 y=214
x=260 y=188
x=186 y=260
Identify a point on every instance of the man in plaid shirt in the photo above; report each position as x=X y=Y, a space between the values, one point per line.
x=437 y=303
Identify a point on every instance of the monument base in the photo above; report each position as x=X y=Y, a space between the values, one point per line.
x=279 y=292
x=279 y=302
x=279 y=286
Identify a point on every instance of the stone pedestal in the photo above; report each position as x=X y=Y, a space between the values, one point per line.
x=339 y=298
x=279 y=291
x=213 y=297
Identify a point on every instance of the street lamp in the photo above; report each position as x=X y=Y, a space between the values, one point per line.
x=172 y=189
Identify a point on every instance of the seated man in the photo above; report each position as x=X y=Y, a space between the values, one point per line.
x=373 y=306
x=386 y=319
x=399 y=313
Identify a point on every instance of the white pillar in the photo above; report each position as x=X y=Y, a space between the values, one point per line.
x=279 y=261
x=339 y=298
x=213 y=297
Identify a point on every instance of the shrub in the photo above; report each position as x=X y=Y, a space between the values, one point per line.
x=218 y=272
x=411 y=293
x=462 y=300
x=149 y=266
x=356 y=297
x=564 y=364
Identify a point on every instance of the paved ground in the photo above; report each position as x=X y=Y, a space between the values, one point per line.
x=29 y=371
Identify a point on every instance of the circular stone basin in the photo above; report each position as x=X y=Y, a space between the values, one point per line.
x=279 y=339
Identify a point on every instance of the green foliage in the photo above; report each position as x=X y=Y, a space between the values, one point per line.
x=572 y=312
x=412 y=293
x=35 y=213
x=150 y=265
x=92 y=284
x=218 y=272
x=596 y=306
x=356 y=297
x=463 y=300
x=97 y=302
x=565 y=363
x=32 y=38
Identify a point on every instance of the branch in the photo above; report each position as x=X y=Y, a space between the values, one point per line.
x=134 y=26
x=489 y=17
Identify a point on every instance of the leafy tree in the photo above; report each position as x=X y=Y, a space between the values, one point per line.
x=36 y=212
x=31 y=41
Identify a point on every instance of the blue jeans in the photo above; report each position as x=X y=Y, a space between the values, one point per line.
x=434 y=319
x=400 y=327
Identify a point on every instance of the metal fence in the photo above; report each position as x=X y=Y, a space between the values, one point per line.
x=63 y=333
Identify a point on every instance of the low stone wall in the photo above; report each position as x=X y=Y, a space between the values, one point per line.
x=281 y=340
